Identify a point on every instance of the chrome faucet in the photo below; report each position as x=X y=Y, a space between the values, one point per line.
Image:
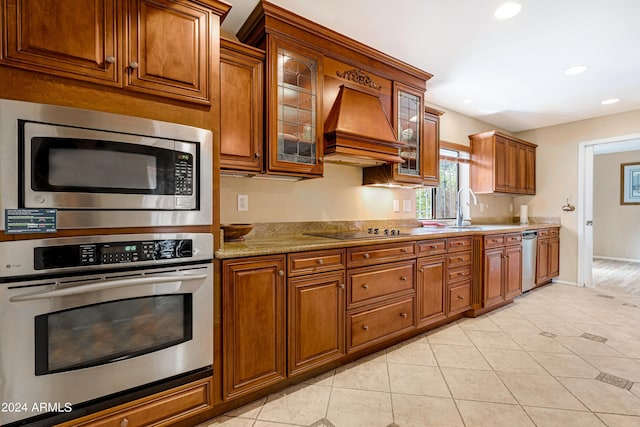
x=459 y=219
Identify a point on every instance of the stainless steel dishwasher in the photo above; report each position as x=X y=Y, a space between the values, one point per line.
x=529 y=250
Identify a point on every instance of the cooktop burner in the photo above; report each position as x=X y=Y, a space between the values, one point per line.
x=358 y=234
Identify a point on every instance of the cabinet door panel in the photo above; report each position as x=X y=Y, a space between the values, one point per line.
x=513 y=272
x=554 y=257
x=69 y=38
x=169 y=48
x=316 y=320
x=542 y=261
x=254 y=324
x=431 y=284
x=241 y=97
x=493 y=266
x=431 y=150
x=500 y=165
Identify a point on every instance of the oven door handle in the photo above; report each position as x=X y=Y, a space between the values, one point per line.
x=105 y=285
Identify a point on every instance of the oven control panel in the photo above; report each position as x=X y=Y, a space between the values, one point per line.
x=111 y=253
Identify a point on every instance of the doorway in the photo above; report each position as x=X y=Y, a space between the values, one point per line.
x=587 y=151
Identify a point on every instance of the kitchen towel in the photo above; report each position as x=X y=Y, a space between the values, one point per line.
x=524 y=214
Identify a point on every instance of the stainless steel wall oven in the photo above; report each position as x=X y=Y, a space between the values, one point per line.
x=89 y=322
x=103 y=170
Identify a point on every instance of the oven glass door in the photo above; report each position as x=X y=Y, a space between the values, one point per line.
x=75 y=168
x=106 y=332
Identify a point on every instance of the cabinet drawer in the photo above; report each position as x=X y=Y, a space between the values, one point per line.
x=373 y=282
x=494 y=241
x=459 y=244
x=375 y=324
x=458 y=274
x=315 y=262
x=458 y=259
x=513 y=239
x=376 y=254
x=459 y=298
x=431 y=247
x=164 y=410
x=543 y=233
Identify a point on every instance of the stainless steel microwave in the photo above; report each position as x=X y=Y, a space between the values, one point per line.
x=103 y=170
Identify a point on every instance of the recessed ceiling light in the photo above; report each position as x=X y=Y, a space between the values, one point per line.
x=467 y=101
x=575 y=70
x=610 y=101
x=507 y=10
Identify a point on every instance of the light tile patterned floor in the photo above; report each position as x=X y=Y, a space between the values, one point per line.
x=558 y=356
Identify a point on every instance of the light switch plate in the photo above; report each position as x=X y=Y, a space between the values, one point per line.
x=243 y=202
x=396 y=205
x=406 y=205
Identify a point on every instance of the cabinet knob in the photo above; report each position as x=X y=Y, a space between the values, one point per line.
x=256 y=155
x=133 y=65
x=460 y=273
x=365 y=327
x=403 y=278
x=124 y=422
x=341 y=285
x=280 y=273
x=460 y=297
x=403 y=250
x=320 y=261
x=110 y=59
x=365 y=286
x=433 y=247
x=366 y=256
x=460 y=258
x=403 y=314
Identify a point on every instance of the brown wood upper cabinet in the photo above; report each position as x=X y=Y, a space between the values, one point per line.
x=158 y=47
x=501 y=163
x=294 y=125
x=241 y=112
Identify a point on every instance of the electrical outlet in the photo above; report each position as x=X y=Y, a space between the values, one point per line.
x=243 y=202
x=396 y=205
x=406 y=205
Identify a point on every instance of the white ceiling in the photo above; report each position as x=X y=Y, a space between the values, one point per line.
x=513 y=71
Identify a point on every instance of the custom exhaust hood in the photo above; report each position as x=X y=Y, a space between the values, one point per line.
x=358 y=132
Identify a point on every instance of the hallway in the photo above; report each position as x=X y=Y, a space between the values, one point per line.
x=616 y=276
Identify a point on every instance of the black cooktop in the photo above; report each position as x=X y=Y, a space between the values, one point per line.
x=359 y=234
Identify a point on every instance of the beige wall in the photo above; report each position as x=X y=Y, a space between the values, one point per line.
x=339 y=196
x=616 y=229
x=557 y=174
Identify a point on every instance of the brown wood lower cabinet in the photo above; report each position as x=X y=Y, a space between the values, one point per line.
x=254 y=345
x=548 y=255
x=501 y=266
x=431 y=287
x=162 y=409
x=316 y=320
x=378 y=323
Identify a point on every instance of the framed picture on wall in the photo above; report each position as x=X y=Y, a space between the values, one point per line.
x=630 y=184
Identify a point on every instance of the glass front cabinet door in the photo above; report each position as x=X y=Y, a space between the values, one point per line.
x=408 y=111
x=294 y=122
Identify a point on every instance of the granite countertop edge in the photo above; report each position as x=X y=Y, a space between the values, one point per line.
x=288 y=243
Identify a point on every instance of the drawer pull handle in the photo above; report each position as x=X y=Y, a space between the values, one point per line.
x=365 y=286
x=366 y=256
x=320 y=261
x=433 y=247
x=403 y=278
x=403 y=314
x=460 y=258
x=495 y=240
x=124 y=422
x=365 y=327
x=460 y=297
x=461 y=274
x=403 y=250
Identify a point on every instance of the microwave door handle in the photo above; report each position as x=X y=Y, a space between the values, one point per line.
x=104 y=285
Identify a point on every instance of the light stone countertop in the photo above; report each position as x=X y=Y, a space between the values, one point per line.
x=299 y=242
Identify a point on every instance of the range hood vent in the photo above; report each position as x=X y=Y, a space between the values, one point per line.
x=358 y=132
